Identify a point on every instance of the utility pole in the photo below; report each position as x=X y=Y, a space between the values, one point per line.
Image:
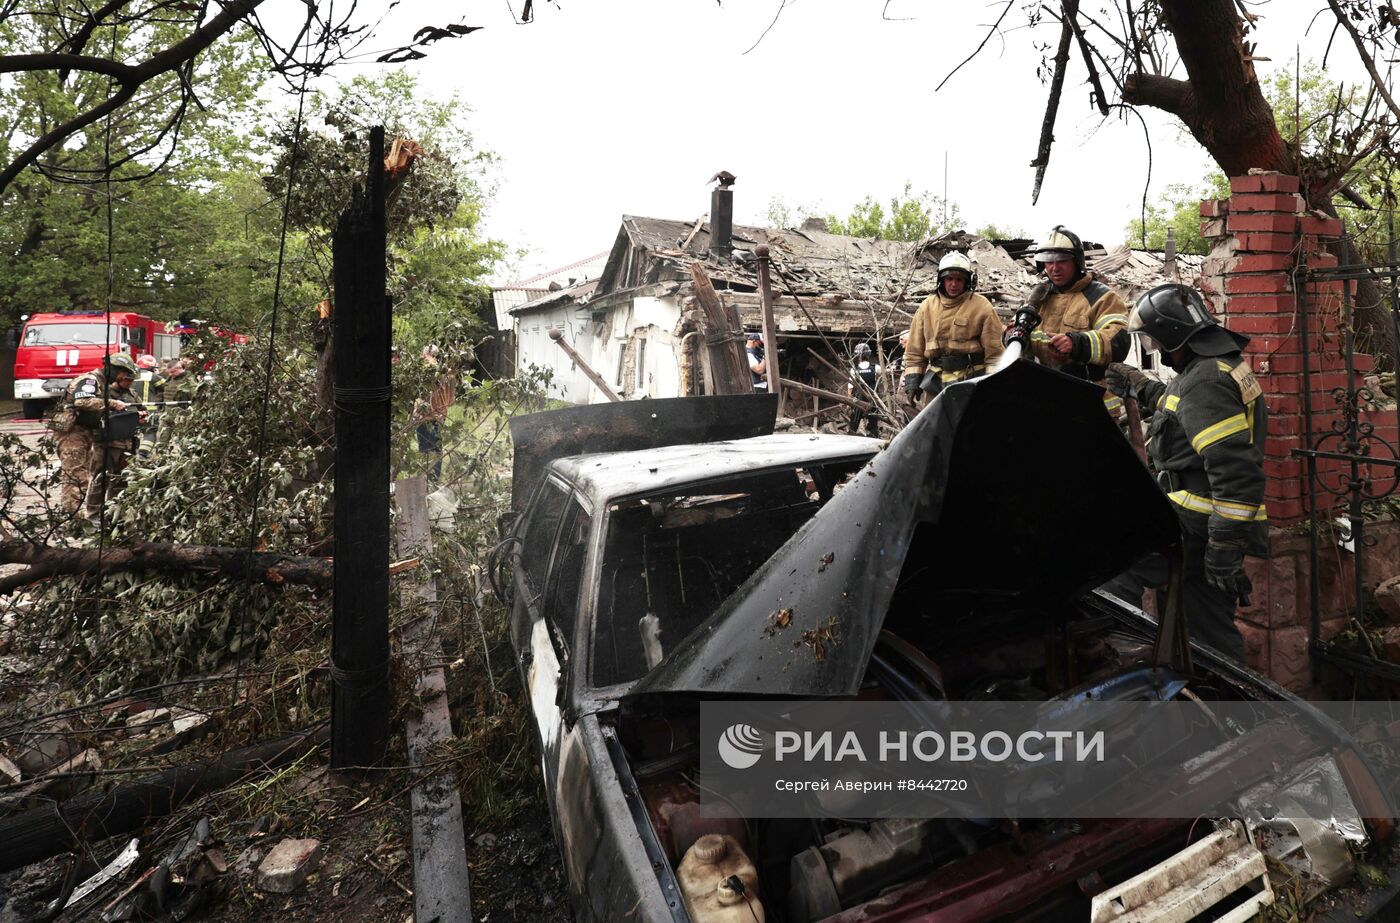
x=360 y=619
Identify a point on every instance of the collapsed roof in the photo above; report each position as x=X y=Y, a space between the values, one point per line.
x=840 y=278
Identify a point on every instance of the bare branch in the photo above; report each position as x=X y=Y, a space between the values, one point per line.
x=1052 y=102
x=1366 y=58
x=56 y=135
x=18 y=63
x=1071 y=8
x=782 y=5
x=978 y=50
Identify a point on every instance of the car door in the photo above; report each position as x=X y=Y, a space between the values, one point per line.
x=549 y=572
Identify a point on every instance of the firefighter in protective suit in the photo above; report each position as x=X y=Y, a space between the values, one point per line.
x=955 y=333
x=1082 y=321
x=1206 y=440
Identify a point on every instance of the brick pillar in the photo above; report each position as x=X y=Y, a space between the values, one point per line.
x=1260 y=233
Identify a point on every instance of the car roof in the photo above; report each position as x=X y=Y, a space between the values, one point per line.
x=603 y=476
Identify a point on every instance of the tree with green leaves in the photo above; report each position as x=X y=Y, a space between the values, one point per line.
x=438 y=259
x=910 y=217
x=55 y=228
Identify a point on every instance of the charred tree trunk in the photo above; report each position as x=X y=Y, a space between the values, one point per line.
x=1223 y=106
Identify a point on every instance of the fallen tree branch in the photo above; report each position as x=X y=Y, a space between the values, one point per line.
x=46 y=561
x=47 y=831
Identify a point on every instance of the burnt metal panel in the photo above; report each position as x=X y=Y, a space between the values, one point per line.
x=1017 y=486
x=628 y=426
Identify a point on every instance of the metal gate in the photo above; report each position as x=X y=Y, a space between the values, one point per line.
x=1347 y=464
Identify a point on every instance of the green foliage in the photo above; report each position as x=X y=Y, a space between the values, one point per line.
x=125 y=630
x=1178 y=209
x=910 y=217
x=437 y=259
x=165 y=200
x=994 y=232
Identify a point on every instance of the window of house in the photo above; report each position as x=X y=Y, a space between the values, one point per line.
x=641 y=362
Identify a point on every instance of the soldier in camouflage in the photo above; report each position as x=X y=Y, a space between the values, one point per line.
x=92 y=396
x=1206 y=441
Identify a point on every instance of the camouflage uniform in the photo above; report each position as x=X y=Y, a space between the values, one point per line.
x=106 y=460
x=74 y=449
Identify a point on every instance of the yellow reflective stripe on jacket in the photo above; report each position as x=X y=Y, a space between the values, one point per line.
x=1193 y=502
x=1224 y=366
x=1095 y=349
x=1113 y=402
x=1239 y=512
x=1218 y=431
x=1108 y=319
x=1171 y=402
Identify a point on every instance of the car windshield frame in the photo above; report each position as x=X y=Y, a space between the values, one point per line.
x=605 y=508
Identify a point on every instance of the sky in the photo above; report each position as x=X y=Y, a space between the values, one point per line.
x=628 y=107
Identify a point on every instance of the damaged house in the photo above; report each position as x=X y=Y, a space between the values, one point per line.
x=641 y=329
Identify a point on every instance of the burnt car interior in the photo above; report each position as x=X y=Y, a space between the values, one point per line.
x=669 y=560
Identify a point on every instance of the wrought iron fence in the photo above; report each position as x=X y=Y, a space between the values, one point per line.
x=1350 y=443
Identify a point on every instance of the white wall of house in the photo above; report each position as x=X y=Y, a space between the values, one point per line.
x=535 y=348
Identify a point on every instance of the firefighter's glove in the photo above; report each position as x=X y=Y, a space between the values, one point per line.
x=910 y=383
x=1039 y=295
x=1224 y=567
x=1079 y=349
x=1124 y=380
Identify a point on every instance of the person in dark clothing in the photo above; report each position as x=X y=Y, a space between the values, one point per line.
x=1206 y=441
x=864 y=368
x=758 y=362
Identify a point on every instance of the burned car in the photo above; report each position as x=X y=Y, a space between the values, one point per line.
x=651 y=571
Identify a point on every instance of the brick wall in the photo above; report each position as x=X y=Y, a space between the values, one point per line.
x=1261 y=233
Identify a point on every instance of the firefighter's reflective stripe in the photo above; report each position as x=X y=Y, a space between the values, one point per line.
x=1239 y=512
x=1171 y=402
x=1218 y=431
x=1113 y=402
x=1242 y=512
x=1095 y=349
x=1109 y=319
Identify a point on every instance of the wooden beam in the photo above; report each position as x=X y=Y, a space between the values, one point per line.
x=729 y=369
x=360 y=612
x=822 y=392
x=557 y=336
x=440 y=877
x=770 y=329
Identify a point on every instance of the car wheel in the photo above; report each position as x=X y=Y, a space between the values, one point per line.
x=32 y=408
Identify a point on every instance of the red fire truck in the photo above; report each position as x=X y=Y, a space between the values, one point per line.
x=54 y=349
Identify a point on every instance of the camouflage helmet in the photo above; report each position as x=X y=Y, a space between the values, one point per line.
x=122 y=361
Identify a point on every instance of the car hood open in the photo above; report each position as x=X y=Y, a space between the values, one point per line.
x=1015 y=487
